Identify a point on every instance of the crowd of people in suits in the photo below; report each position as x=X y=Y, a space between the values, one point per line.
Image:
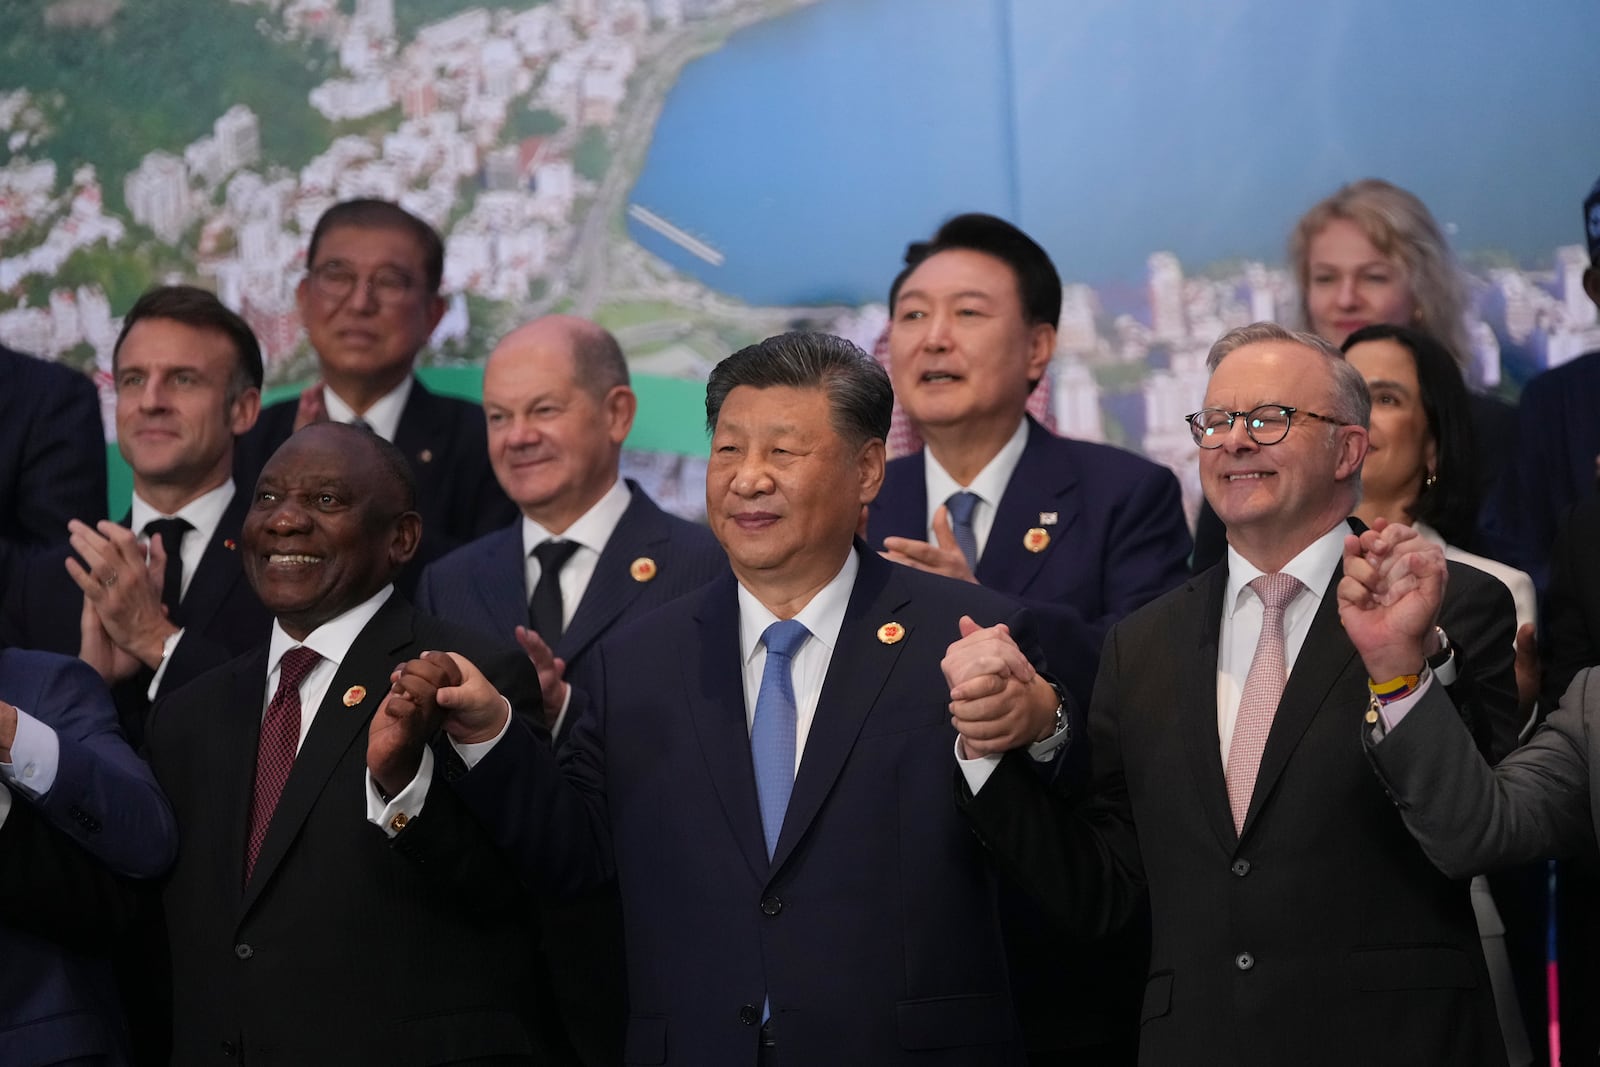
x=391 y=728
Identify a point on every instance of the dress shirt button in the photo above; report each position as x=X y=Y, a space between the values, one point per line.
x=1244 y=961
x=28 y=770
x=771 y=906
x=749 y=1015
x=1240 y=867
x=243 y=951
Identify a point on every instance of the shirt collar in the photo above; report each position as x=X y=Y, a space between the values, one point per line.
x=204 y=512
x=823 y=615
x=1313 y=566
x=990 y=483
x=592 y=529
x=331 y=640
x=384 y=414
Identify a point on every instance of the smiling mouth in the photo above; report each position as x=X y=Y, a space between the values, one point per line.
x=291 y=559
x=1252 y=476
x=938 y=377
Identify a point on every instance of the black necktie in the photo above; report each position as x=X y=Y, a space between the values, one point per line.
x=171 y=531
x=545 y=610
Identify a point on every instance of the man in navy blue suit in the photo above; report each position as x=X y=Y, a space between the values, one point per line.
x=591 y=549
x=161 y=597
x=590 y=552
x=76 y=804
x=1080 y=533
x=370 y=301
x=766 y=764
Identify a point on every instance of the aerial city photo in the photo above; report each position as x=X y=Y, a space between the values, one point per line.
x=699 y=174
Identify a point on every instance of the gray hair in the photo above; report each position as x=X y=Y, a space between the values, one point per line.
x=1352 y=403
x=859 y=395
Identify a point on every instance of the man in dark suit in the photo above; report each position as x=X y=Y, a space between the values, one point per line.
x=558 y=405
x=75 y=790
x=1294 y=918
x=52 y=469
x=370 y=301
x=1080 y=533
x=161 y=598
x=590 y=552
x=765 y=764
x=300 y=932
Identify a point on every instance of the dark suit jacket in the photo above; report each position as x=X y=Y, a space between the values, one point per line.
x=58 y=907
x=52 y=459
x=1571 y=638
x=220 y=613
x=1322 y=934
x=483 y=585
x=1119 y=540
x=345 y=947
x=873 y=929
x=445 y=440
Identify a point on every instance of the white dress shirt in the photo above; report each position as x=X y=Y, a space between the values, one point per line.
x=204 y=513
x=35 y=758
x=823 y=616
x=332 y=641
x=989 y=486
x=590 y=532
x=384 y=414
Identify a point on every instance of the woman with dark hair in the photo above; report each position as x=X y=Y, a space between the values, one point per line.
x=1421 y=467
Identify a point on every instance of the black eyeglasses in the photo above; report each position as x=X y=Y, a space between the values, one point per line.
x=1266 y=425
x=336 y=280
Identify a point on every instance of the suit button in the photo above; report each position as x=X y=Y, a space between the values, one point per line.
x=229 y=1049
x=1240 y=867
x=749 y=1015
x=1244 y=961
x=771 y=906
x=243 y=951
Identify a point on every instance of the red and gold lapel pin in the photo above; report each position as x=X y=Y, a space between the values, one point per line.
x=642 y=569
x=891 y=633
x=354 y=695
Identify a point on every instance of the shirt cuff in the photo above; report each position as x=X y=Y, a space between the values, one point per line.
x=471 y=754
x=977 y=771
x=35 y=756
x=1390 y=714
x=167 y=648
x=392 y=816
x=561 y=716
x=1047 y=750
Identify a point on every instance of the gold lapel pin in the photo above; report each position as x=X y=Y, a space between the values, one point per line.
x=891 y=633
x=1036 y=539
x=230 y=544
x=426 y=455
x=1047 y=518
x=354 y=695
x=642 y=569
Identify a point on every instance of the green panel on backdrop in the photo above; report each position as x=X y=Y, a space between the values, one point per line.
x=671 y=419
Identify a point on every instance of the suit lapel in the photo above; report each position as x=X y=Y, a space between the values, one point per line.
x=1041 y=484
x=857 y=672
x=612 y=587
x=1195 y=639
x=335 y=728
x=235 y=757
x=1325 y=655
x=501 y=581
x=714 y=680
x=219 y=569
x=901 y=509
x=413 y=436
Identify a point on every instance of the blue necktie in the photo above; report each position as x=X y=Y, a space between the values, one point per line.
x=772 y=734
x=961 y=506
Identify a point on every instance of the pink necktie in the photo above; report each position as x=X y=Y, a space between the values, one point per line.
x=1263 y=688
x=275 y=752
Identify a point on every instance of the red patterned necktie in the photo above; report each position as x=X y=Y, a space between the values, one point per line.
x=280 y=740
x=1263 y=688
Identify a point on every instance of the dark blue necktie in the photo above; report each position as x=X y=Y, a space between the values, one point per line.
x=961 y=506
x=772 y=734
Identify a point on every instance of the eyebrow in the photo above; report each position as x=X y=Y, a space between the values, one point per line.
x=1387 y=383
x=963 y=294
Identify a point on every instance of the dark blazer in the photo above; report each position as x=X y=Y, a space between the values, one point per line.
x=1571 y=637
x=448 y=446
x=1119 y=540
x=52 y=459
x=220 y=613
x=345 y=947
x=58 y=913
x=1321 y=935
x=872 y=930
x=484 y=585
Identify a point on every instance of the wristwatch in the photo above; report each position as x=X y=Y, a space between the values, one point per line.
x=1060 y=734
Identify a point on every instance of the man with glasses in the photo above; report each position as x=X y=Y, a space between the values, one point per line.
x=1295 y=920
x=370 y=301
